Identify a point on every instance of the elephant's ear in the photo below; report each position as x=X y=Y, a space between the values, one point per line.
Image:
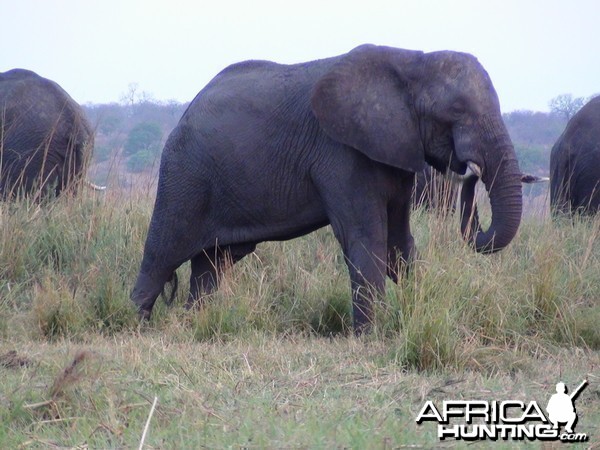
x=365 y=101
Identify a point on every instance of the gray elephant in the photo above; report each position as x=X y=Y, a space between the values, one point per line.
x=45 y=141
x=271 y=152
x=575 y=164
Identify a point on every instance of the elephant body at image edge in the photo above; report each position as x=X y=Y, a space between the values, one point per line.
x=575 y=164
x=46 y=140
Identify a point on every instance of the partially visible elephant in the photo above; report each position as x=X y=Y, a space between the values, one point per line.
x=435 y=191
x=45 y=139
x=575 y=164
x=271 y=152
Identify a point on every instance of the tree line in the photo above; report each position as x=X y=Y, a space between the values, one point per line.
x=130 y=134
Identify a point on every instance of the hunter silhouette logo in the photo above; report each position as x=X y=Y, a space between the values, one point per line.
x=561 y=407
x=510 y=419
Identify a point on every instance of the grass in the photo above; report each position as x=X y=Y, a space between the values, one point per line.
x=269 y=361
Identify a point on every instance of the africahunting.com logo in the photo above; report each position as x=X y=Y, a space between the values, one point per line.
x=472 y=420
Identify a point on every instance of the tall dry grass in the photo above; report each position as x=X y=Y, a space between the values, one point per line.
x=67 y=268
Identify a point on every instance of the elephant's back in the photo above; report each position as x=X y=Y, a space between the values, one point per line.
x=256 y=88
x=17 y=75
x=24 y=87
x=30 y=100
x=582 y=133
x=36 y=112
x=22 y=84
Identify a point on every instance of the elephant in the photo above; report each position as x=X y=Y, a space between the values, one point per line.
x=575 y=164
x=269 y=152
x=46 y=140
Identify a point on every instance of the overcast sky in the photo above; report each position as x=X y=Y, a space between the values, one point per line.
x=533 y=50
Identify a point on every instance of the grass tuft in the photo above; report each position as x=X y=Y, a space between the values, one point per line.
x=56 y=311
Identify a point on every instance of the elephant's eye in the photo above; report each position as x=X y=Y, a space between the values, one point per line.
x=458 y=108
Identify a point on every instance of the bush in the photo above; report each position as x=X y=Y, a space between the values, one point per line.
x=143 y=137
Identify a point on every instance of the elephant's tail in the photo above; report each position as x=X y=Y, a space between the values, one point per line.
x=174 y=282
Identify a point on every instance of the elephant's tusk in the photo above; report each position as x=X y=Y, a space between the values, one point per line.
x=527 y=178
x=93 y=186
x=474 y=169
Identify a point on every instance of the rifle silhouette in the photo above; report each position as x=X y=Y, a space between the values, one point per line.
x=579 y=389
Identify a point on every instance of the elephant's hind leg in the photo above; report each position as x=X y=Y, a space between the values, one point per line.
x=207 y=268
x=401 y=246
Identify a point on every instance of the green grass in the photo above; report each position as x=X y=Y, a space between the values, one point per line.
x=270 y=361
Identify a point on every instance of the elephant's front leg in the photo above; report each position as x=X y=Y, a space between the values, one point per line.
x=364 y=248
x=147 y=289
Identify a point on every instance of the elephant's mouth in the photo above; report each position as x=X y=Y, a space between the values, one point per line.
x=441 y=155
x=469 y=169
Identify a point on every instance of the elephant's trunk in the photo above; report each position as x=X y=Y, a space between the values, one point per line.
x=502 y=179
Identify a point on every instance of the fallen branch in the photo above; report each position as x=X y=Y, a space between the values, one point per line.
x=148 y=423
x=38 y=405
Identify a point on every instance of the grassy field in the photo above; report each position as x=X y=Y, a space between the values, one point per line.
x=269 y=362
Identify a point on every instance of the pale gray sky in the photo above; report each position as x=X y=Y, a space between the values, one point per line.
x=533 y=50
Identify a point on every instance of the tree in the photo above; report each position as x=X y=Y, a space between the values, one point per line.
x=130 y=97
x=534 y=128
x=110 y=124
x=144 y=136
x=566 y=105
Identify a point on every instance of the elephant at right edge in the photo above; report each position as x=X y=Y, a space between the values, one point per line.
x=575 y=164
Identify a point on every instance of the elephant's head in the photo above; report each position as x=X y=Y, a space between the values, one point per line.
x=405 y=108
